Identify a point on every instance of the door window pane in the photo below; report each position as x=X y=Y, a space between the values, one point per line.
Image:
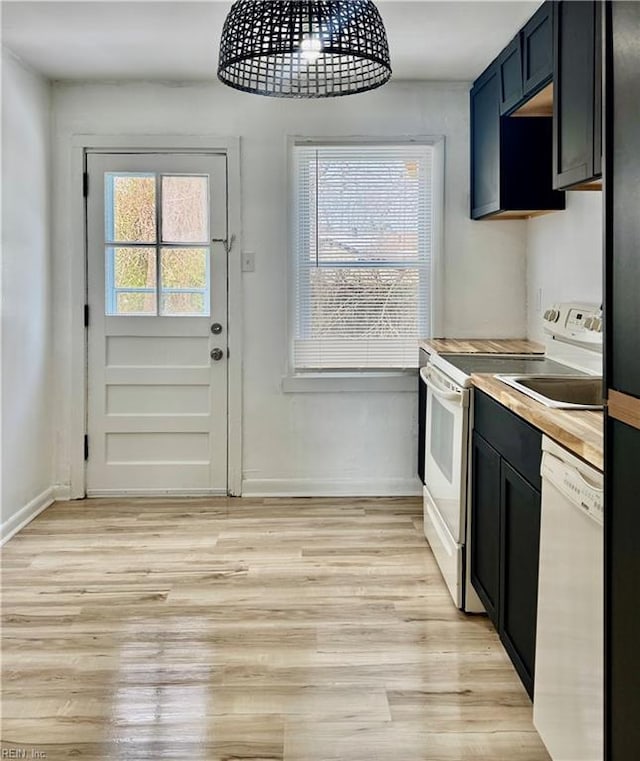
x=184 y=281
x=135 y=303
x=130 y=208
x=133 y=284
x=185 y=204
x=131 y=280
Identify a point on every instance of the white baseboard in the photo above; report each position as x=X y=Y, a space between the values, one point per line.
x=26 y=514
x=62 y=493
x=312 y=487
x=113 y=493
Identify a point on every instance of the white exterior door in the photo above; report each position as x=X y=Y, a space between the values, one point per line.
x=157 y=343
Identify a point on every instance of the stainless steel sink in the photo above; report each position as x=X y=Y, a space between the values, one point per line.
x=571 y=392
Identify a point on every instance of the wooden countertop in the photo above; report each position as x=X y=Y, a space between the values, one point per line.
x=481 y=346
x=579 y=431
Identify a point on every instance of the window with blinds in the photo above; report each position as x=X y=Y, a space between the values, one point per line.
x=363 y=234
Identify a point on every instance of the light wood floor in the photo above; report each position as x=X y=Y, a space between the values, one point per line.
x=305 y=630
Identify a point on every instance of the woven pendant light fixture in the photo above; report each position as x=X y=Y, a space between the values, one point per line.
x=304 y=49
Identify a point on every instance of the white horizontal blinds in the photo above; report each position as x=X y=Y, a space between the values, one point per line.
x=363 y=242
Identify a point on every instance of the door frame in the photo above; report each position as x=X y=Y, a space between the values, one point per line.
x=81 y=145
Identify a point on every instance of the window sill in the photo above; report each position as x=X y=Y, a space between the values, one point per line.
x=399 y=381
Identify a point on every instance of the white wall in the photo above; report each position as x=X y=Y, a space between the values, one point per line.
x=308 y=441
x=27 y=398
x=564 y=256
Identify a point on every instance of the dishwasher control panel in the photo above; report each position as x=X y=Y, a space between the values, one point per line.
x=573 y=484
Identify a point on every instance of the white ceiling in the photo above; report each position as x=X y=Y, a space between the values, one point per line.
x=178 y=40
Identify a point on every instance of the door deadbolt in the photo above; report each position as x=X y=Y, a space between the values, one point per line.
x=216 y=328
x=217 y=354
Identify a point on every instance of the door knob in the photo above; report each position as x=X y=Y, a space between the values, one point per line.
x=216 y=328
x=217 y=354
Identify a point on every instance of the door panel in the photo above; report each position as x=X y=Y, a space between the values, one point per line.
x=157 y=280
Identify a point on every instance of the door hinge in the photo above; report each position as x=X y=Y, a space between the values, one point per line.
x=86 y=315
x=85 y=184
x=86 y=447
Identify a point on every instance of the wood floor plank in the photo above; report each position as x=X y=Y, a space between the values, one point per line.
x=222 y=629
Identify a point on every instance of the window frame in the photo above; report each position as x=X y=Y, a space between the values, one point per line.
x=337 y=379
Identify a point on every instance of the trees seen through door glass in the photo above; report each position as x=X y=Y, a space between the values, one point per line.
x=185 y=206
x=142 y=276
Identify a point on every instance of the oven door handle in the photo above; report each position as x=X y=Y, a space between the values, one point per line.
x=448 y=396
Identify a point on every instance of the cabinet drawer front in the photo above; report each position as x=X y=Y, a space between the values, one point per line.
x=517 y=441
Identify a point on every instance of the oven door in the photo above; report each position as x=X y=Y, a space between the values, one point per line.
x=447 y=423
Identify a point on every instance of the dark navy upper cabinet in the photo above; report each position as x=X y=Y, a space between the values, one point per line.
x=510 y=157
x=485 y=144
x=510 y=72
x=577 y=103
x=537 y=51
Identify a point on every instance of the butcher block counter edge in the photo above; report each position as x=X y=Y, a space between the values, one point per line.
x=579 y=431
x=480 y=346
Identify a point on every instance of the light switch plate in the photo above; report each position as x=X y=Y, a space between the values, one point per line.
x=248 y=261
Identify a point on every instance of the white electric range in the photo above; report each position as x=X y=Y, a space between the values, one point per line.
x=573 y=346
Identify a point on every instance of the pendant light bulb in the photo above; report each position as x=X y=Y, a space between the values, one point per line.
x=311 y=49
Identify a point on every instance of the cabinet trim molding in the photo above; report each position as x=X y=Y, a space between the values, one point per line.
x=624 y=408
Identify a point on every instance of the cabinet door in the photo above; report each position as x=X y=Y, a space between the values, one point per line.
x=622 y=567
x=576 y=74
x=622 y=310
x=510 y=71
x=623 y=204
x=537 y=50
x=485 y=144
x=519 y=546
x=485 y=525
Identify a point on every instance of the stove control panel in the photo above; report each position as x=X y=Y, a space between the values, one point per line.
x=576 y=322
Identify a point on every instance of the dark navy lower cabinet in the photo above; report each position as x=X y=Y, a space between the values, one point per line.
x=519 y=544
x=622 y=571
x=485 y=528
x=505 y=527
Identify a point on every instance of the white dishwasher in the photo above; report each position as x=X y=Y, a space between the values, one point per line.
x=568 y=692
